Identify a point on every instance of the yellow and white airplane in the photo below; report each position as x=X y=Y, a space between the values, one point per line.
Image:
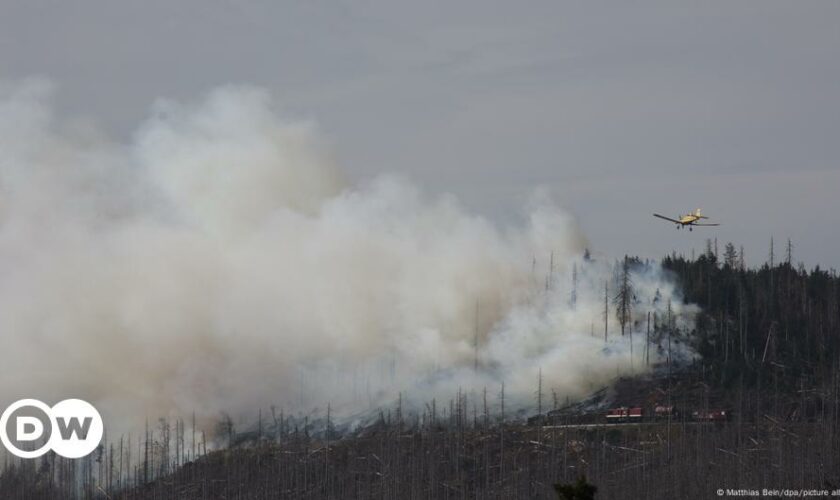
x=689 y=220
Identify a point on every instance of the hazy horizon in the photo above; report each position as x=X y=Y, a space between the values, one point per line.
x=619 y=111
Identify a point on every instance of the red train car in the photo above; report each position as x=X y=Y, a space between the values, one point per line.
x=625 y=414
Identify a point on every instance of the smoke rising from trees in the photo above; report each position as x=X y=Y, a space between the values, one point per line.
x=220 y=262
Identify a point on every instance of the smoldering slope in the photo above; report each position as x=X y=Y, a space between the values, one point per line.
x=219 y=263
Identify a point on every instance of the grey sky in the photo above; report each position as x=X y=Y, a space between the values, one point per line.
x=620 y=108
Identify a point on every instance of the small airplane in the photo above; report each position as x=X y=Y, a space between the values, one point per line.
x=689 y=220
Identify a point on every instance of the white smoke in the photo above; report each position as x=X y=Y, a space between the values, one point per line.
x=220 y=263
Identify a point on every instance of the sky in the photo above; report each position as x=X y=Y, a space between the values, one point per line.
x=618 y=109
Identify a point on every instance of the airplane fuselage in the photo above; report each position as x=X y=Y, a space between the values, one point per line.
x=689 y=219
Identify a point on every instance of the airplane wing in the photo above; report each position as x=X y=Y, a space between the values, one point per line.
x=666 y=218
x=695 y=224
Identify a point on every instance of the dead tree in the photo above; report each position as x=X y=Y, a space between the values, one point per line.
x=624 y=297
x=606 y=308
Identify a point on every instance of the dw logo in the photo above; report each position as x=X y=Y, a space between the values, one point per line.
x=72 y=428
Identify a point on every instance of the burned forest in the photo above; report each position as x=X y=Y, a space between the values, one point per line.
x=755 y=405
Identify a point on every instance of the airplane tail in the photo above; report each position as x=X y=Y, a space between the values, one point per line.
x=699 y=215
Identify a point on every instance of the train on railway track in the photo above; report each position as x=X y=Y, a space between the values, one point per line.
x=664 y=412
x=629 y=414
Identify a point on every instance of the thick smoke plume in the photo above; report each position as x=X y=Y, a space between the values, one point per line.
x=219 y=262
